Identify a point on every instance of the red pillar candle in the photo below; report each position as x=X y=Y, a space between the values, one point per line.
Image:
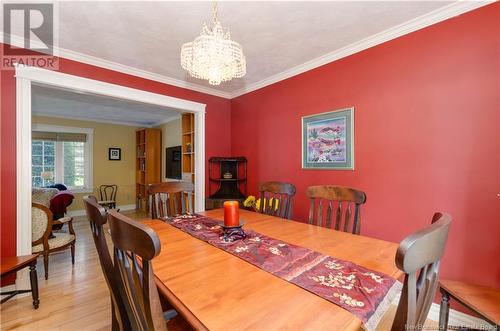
x=231 y=213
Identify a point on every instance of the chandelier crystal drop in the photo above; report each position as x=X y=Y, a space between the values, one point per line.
x=213 y=56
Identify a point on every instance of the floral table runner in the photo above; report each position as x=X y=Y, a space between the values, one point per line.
x=361 y=291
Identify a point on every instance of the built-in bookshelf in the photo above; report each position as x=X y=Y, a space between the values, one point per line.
x=148 y=163
x=188 y=155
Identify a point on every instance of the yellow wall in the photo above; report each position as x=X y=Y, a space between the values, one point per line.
x=121 y=173
x=171 y=136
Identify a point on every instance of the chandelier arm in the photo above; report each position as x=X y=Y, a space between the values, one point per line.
x=214 y=11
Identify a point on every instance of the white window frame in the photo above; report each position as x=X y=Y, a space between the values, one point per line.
x=59 y=166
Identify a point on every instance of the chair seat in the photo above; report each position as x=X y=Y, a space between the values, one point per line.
x=59 y=240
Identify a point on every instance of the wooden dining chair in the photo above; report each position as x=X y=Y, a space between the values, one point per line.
x=133 y=240
x=170 y=198
x=46 y=242
x=276 y=199
x=97 y=217
x=418 y=256
x=107 y=194
x=342 y=200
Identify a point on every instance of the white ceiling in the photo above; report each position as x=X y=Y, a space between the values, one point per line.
x=49 y=101
x=280 y=38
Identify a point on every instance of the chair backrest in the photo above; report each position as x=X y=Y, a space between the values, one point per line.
x=41 y=223
x=418 y=256
x=43 y=195
x=108 y=192
x=133 y=240
x=170 y=199
x=339 y=199
x=97 y=218
x=276 y=199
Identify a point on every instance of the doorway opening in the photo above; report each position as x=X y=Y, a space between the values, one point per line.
x=29 y=80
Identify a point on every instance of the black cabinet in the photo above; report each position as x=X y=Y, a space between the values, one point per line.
x=227 y=180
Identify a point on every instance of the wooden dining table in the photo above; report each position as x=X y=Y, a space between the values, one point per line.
x=215 y=290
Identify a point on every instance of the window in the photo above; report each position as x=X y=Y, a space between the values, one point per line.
x=74 y=164
x=62 y=155
x=43 y=155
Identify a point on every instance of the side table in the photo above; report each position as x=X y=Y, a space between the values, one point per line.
x=484 y=301
x=11 y=265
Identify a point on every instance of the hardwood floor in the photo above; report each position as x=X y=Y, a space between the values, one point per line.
x=76 y=297
x=73 y=298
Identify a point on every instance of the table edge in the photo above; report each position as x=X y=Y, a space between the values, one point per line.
x=184 y=311
x=30 y=259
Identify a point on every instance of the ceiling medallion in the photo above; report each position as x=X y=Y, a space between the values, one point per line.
x=213 y=56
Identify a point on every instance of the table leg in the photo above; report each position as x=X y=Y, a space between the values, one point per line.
x=34 y=285
x=444 y=310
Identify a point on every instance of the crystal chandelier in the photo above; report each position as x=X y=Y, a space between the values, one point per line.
x=213 y=56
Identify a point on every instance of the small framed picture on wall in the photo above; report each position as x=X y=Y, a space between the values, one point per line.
x=328 y=140
x=115 y=154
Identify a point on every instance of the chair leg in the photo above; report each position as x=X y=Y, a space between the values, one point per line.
x=34 y=285
x=115 y=326
x=46 y=265
x=73 y=253
x=444 y=311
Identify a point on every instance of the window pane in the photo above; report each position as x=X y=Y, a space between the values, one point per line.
x=36 y=170
x=37 y=181
x=48 y=160
x=36 y=148
x=49 y=148
x=74 y=163
x=43 y=160
x=37 y=160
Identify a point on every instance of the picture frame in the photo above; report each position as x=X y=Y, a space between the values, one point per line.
x=114 y=154
x=328 y=140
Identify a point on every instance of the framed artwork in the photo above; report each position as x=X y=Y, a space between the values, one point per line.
x=114 y=154
x=328 y=140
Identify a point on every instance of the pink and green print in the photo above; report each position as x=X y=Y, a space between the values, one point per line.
x=327 y=140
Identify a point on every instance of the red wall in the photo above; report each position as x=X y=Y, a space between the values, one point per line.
x=427 y=136
x=217 y=130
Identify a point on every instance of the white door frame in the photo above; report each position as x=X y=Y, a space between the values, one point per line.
x=25 y=76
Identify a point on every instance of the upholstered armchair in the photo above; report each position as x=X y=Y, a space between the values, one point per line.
x=42 y=241
x=57 y=200
x=43 y=195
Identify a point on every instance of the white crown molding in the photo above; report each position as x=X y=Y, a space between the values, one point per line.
x=102 y=63
x=436 y=16
x=415 y=24
x=75 y=56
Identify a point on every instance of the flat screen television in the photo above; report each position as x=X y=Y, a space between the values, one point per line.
x=173 y=157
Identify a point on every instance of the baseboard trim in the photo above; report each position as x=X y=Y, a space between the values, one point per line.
x=14 y=287
x=6 y=288
x=459 y=319
x=455 y=317
x=81 y=212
